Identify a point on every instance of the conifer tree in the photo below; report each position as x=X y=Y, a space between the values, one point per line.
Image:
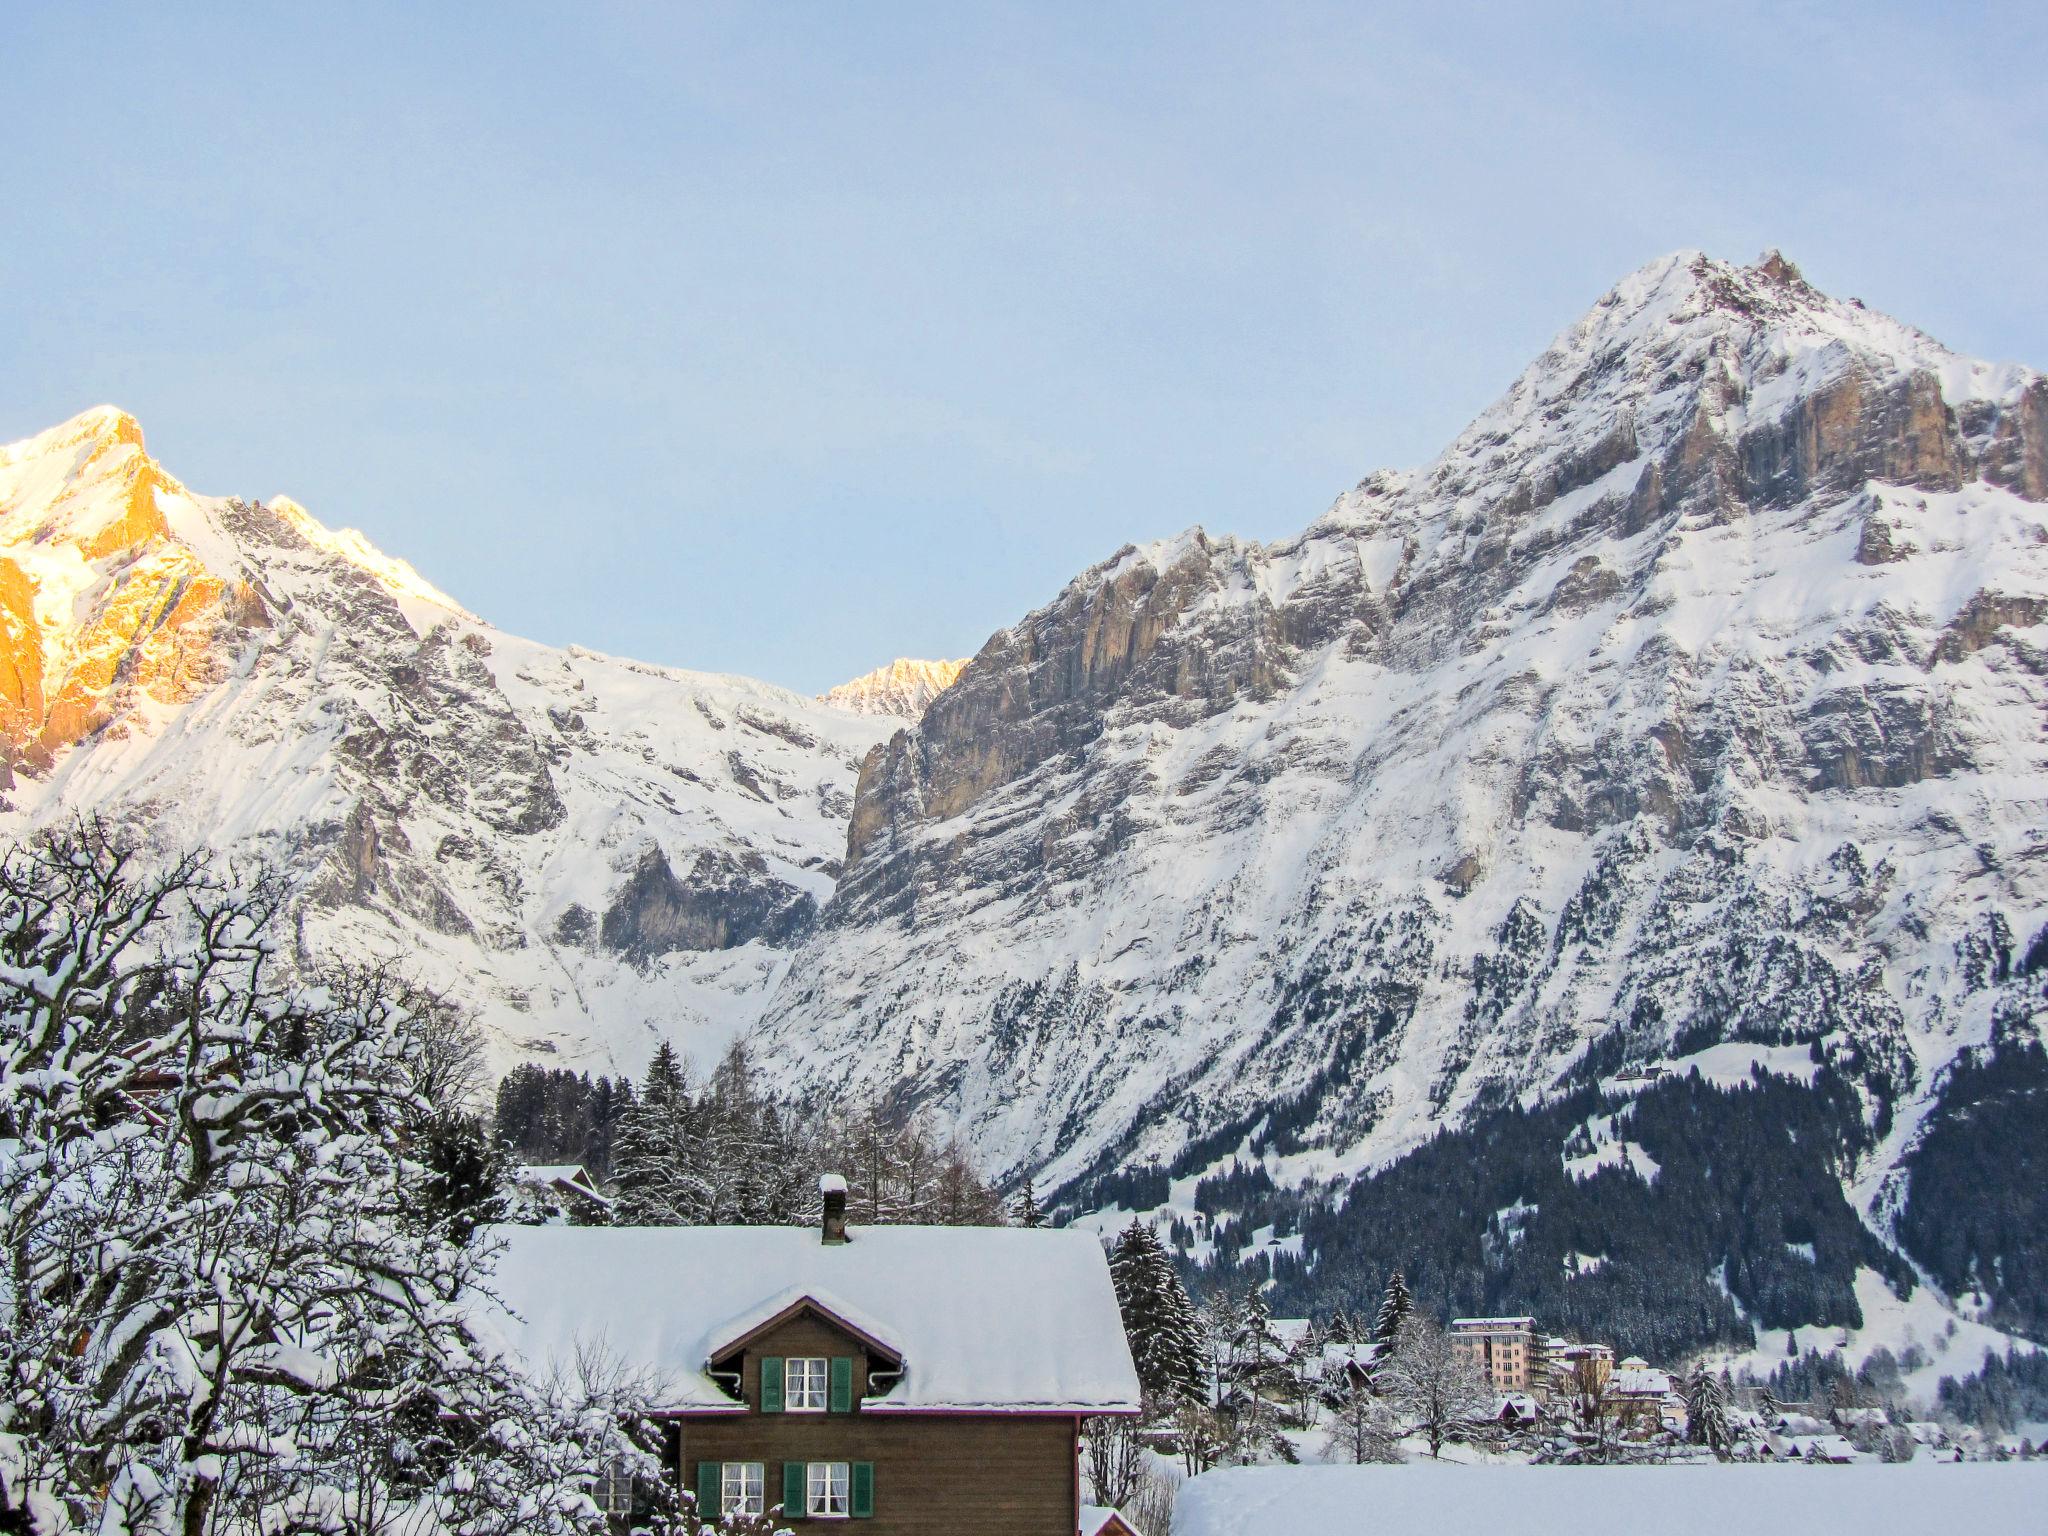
x=1028 y=1212
x=1394 y=1310
x=1159 y=1318
x=653 y=1187
x=1706 y=1411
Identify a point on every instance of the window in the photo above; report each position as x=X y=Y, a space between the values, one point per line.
x=740 y=1489
x=804 y=1383
x=826 y=1493
x=614 y=1491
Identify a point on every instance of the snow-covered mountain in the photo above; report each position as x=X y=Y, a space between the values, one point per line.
x=1691 y=701
x=594 y=853
x=1688 y=709
x=904 y=688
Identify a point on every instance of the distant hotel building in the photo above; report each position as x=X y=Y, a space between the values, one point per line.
x=1504 y=1349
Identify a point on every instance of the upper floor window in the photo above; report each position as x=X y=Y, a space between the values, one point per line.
x=805 y=1383
x=826 y=1494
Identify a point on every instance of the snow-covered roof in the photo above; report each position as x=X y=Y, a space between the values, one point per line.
x=1094 y=1517
x=988 y=1319
x=1640 y=1381
x=550 y=1173
x=1493 y=1322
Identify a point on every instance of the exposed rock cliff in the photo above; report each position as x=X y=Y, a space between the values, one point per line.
x=1693 y=695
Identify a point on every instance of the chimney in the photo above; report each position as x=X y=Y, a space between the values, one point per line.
x=833 y=1189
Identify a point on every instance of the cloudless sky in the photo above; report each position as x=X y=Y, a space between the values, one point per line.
x=787 y=339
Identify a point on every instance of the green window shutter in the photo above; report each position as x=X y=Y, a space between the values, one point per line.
x=842 y=1384
x=710 y=1488
x=863 y=1480
x=771 y=1383
x=792 y=1490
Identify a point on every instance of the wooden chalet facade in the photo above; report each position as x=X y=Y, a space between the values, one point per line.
x=917 y=1380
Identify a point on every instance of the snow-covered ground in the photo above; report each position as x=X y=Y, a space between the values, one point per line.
x=1569 y=1501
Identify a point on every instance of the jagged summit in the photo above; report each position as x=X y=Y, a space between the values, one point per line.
x=1693 y=344
x=903 y=689
x=1672 y=707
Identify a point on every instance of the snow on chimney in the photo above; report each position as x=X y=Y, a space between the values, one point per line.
x=833 y=1188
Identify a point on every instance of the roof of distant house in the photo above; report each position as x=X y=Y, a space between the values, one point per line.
x=983 y=1319
x=1097 y=1518
x=551 y=1173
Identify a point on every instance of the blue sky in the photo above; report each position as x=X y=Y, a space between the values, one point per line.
x=784 y=340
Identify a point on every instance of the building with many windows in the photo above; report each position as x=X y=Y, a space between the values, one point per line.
x=921 y=1379
x=1503 y=1348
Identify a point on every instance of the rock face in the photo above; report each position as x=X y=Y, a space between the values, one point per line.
x=506 y=819
x=904 y=688
x=1694 y=695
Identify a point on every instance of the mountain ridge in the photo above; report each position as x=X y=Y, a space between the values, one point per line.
x=1685 y=710
x=1627 y=727
x=593 y=853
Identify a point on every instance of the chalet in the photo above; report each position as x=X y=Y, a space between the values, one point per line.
x=1642 y=1396
x=920 y=1379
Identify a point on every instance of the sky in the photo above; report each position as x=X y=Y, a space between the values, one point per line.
x=786 y=339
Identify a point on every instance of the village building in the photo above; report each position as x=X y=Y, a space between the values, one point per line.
x=1644 y=1398
x=565 y=1189
x=1504 y=1349
x=923 y=1380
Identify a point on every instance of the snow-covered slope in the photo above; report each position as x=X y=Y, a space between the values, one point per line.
x=904 y=688
x=1694 y=694
x=592 y=852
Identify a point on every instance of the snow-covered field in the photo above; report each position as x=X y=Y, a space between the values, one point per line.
x=1983 y=1500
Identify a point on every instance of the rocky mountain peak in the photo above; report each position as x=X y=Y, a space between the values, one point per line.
x=1506 y=764
x=570 y=843
x=904 y=688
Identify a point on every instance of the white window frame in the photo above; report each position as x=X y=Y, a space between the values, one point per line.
x=743 y=1488
x=614 y=1489
x=824 y=1483
x=814 y=1372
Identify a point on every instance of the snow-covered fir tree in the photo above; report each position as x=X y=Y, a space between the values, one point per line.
x=655 y=1179
x=1159 y=1318
x=1394 y=1310
x=1706 y=1411
x=728 y=1153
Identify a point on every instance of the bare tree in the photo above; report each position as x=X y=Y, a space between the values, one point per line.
x=1362 y=1428
x=1150 y=1509
x=1591 y=1405
x=1116 y=1459
x=1201 y=1435
x=1435 y=1389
